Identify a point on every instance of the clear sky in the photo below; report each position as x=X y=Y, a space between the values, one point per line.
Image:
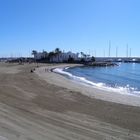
x=75 y=25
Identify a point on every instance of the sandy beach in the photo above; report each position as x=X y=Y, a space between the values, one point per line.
x=47 y=106
x=93 y=92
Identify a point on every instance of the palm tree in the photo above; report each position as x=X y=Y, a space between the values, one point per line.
x=45 y=54
x=93 y=59
x=50 y=55
x=34 y=52
x=83 y=55
x=57 y=52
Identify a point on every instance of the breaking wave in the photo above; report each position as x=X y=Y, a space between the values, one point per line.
x=117 y=89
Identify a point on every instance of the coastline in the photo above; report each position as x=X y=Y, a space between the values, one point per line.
x=90 y=91
x=32 y=108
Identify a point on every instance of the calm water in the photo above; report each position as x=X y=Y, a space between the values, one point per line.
x=124 y=78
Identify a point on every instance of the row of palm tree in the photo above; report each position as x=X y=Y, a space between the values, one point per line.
x=48 y=55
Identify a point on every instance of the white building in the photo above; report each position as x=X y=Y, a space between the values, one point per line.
x=62 y=57
x=39 y=55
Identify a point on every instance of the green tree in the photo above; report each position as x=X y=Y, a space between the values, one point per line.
x=34 y=52
x=57 y=52
x=71 y=59
x=45 y=54
x=93 y=59
x=50 y=55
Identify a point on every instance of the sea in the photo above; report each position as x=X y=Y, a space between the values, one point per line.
x=123 y=79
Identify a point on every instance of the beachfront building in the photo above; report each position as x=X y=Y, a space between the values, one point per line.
x=56 y=56
x=40 y=55
x=64 y=57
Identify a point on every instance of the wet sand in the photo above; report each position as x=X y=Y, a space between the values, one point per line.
x=33 y=108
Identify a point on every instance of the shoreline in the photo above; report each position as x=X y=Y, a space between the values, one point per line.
x=86 y=82
x=93 y=92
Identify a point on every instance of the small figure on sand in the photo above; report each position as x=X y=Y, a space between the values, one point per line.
x=31 y=71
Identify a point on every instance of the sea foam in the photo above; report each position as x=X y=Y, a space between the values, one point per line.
x=102 y=86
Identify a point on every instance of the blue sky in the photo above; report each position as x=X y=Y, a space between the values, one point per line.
x=75 y=25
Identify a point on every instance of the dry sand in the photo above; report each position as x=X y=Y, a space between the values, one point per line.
x=35 y=109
